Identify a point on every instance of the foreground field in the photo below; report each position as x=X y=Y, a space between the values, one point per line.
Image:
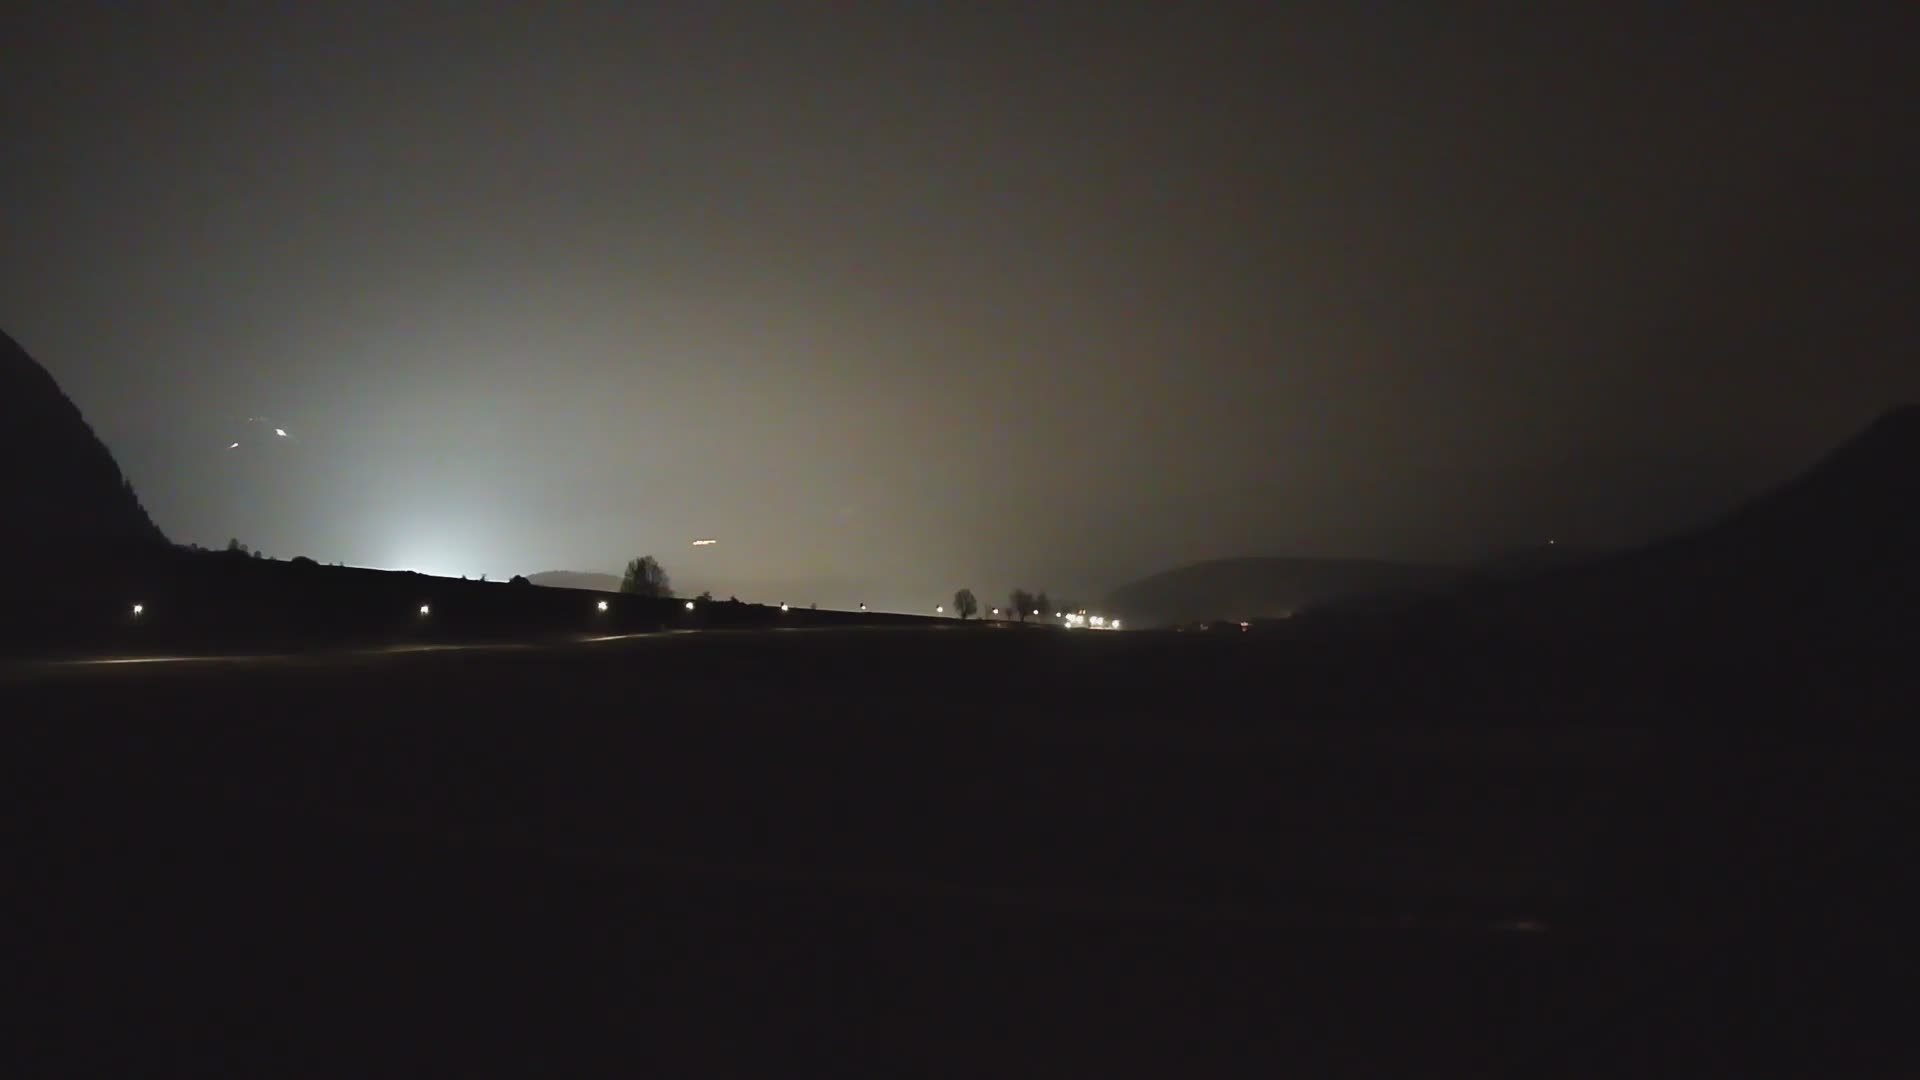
x=919 y=851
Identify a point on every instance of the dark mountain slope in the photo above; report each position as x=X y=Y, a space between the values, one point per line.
x=64 y=495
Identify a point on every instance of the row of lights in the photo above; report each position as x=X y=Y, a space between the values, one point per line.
x=1098 y=622
x=598 y=605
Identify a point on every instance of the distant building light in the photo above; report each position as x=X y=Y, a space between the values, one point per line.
x=426 y=609
x=139 y=610
x=996 y=611
x=601 y=605
x=1036 y=611
x=689 y=605
x=1114 y=625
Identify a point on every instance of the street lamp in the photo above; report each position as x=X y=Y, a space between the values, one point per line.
x=689 y=605
x=600 y=606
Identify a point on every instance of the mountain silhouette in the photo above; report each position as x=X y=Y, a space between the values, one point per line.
x=1263 y=587
x=1828 y=562
x=575 y=579
x=64 y=494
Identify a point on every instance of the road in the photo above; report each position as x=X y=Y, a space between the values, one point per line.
x=913 y=852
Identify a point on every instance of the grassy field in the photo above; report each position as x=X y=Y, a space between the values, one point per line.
x=918 y=852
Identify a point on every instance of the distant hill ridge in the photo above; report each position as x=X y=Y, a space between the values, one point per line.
x=575 y=579
x=62 y=491
x=1264 y=587
x=1825 y=564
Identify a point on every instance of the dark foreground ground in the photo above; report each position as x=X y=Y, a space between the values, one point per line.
x=925 y=853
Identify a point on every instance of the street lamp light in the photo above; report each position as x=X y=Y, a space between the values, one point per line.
x=426 y=609
x=939 y=609
x=139 y=610
x=689 y=605
x=600 y=606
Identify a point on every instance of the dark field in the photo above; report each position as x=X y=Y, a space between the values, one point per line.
x=927 y=852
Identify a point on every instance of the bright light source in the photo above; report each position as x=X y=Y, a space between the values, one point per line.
x=282 y=432
x=426 y=609
x=1115 y=624
x=705 y=541
x=235 y=446
x=689 y=605
x=1245 y=625
x=139 y=609
x=1036 y=611
x=783 y=606
x=996 y=611
x=1056 y=614
x=1099 y=620
x=863 y=607
x=602 y=605
x=939 y=609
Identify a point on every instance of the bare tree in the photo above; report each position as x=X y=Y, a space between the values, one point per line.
x=1022 y=601
x=965 y=604
x=646 y=577
x=1041 y=602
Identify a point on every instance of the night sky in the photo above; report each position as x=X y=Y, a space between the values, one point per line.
x=893 y=298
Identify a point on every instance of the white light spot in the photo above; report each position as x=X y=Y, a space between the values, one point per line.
x=282 y=432
x=235 y=446
x=939 y=609
x=783 y=607
x=602 y=605
x=139 y=609
x=426 y=609
x=689 y=605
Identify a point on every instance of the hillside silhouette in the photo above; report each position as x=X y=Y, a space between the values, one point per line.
x=576 y=579
x=1259 y=588
x=1824 y=568
x=66 y=499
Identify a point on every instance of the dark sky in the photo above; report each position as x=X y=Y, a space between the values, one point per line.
x=892 y=298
